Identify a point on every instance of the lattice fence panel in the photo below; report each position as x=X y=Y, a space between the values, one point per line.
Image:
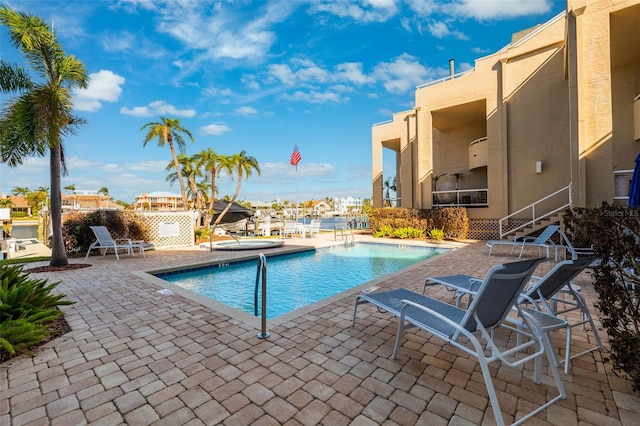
x=483 y=229
x=170 y=229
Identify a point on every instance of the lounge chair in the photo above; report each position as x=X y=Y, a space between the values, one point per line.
x=541 y=241
x=313 y=228
x=542 y=294
x=105 y=242
x=495 y=298
x=290 y=228
x=575 y=252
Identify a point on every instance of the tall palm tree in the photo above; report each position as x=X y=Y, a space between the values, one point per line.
x=41 y=114
x=244 y=165
x=211 y=161
x=168 y=130
x=104 y=190
x=190 y=171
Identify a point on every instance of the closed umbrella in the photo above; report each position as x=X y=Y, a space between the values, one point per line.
x=634 y=186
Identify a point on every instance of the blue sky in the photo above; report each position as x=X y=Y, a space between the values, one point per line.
x=259 y=76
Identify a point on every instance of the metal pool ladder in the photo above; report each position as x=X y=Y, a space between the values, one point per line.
x=261 y=272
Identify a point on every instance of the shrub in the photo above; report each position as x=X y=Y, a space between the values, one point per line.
x=436 y=234
x=614 y=233
x=453 y=221
x=28 y=308
x=78 y=235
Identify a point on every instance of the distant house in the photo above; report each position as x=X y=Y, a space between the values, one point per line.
x=347 y=205
x=320 y=207
x=19 y=204
x=159 y=200
x=88 y=201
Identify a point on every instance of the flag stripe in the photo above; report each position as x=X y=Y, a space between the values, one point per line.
x=295 y=156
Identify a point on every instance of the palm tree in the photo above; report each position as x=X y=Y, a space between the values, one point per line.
x=389 y=184
x=71 y=188
x=104 y=190
x=20 y=190
x=189 y=170
x=211 y=162
x=38 y=118
x=244 y=165
x=168 y=130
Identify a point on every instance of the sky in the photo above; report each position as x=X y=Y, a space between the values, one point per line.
x=259 y=76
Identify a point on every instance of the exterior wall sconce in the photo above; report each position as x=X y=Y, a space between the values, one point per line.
x=538 y=166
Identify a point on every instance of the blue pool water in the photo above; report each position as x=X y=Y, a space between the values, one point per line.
x=299 y=279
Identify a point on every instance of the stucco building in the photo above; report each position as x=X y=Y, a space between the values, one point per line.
x=546 y=122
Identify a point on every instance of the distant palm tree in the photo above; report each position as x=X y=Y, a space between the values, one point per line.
x=37 y=119
x=20 y=190
x=71 y=188
x=168 y=130
x=104 y=190
x=389 y=185
x=244 y=165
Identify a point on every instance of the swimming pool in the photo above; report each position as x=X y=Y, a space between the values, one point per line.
x=299 y=279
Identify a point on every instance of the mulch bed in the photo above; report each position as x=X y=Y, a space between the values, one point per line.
x=69 y=267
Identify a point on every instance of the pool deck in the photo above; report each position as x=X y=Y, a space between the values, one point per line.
x=139 y=355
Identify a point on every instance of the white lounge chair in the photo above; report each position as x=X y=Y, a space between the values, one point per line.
x=541 y=241
x=472 y=330
x=290 y=228
x=105 y=242
x=312 y=228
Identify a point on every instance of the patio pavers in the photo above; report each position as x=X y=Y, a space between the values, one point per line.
x=136 y=356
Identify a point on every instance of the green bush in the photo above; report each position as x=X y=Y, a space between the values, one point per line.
x=78 y=235
x=614 y=233
x=28 y=308
x=453 y=221
x=436 y=234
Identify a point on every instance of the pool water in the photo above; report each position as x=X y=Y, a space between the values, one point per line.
x=299 y=279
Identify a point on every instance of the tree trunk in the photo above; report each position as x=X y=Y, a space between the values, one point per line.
x=58 y=252
x=176 y=164
x=209 y=214
x=233 y=199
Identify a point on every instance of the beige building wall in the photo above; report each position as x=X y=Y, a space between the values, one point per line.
x=560 y=95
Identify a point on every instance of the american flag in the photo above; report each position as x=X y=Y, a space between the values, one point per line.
x=295 y=156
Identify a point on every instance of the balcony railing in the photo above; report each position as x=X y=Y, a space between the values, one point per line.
x=461 y=198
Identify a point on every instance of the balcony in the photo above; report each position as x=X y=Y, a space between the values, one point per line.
x=461 y=198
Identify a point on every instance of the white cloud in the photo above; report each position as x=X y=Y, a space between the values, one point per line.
x=216 y=129
x=352 y=72
x=158 y=108
x=246 y=111
x=403 y=74
x=315 y=97
x=104 y=86
x=441 y=30
x=500 y=9
x=366 y=11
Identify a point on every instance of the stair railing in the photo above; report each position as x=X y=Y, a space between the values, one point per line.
x=537 y=210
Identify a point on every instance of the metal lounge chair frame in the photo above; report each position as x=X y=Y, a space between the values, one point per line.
x=542 y=241
x=494 y=300
x=104 y=241
x=542 y=294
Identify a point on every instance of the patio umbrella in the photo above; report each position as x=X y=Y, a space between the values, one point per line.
x=235 y=213
x=634 y=186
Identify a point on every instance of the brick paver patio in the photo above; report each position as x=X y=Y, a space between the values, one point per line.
x=140 y=357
